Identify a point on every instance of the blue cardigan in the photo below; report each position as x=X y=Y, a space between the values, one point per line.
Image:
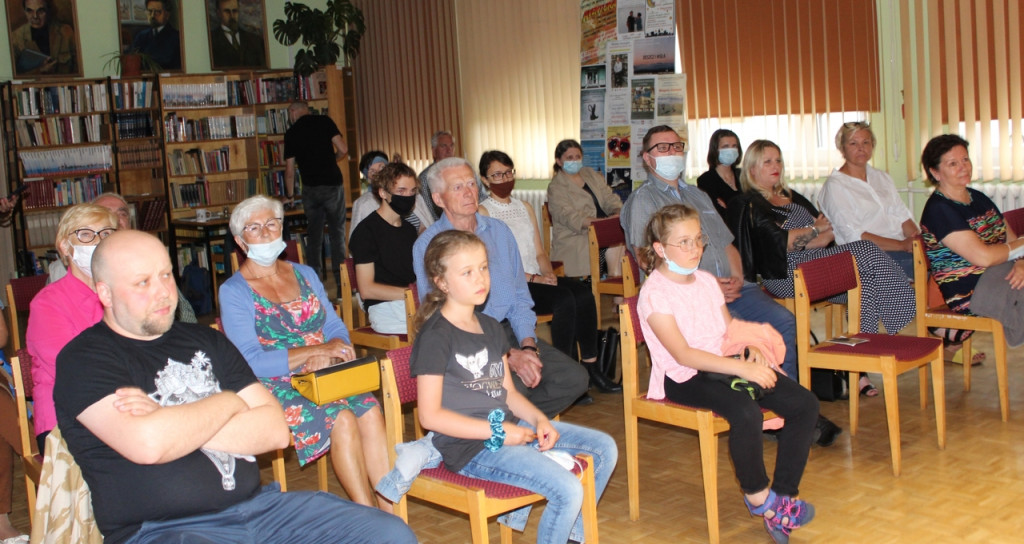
x=238 y=317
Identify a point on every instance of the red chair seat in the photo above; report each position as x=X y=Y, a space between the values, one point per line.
x=905 y=348
x=493 y=490
x=617 y=280
x=369 y=330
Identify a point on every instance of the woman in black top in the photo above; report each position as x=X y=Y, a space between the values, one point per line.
x=722 y=181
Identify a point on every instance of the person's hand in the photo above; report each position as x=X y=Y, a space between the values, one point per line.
x=1016 y=275
x=730 y=288
x=48 y=65
x=337 y=348
x=759 y=374
x=526 y=364
x=549 y=279
x=756 y=356
x=822 y=224
x=7 y=203
x=907 y=245
x=135 y=401
x=315 y=363
x=546 y=435
x=517 y=435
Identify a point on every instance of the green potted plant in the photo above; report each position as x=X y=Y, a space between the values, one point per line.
x=131 y=63
x=325 y=34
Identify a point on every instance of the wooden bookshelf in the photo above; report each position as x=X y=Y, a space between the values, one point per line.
x=139 y=150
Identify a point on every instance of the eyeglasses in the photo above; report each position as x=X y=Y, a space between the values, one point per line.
x=678 y=147
x=689 y=244
x=499 y=176
x=459 y=187
x=272 y=225
x=86 y=236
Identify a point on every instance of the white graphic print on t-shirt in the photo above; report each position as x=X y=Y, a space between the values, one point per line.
x=180 y=383
x=489 y=383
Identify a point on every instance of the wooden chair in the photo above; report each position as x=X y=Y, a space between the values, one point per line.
x=277 y=462
x=933 y=312
x=890 y=355
x=480 y=499
x=20 y=292
x=31 y=459
x=360 y=333
x=558 y=267
x=637 y=406
x=1015 y=220
x=292 y=252
x=604 y=233
x=630 y=276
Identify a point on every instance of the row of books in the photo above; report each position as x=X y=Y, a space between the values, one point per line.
x=192 y=252
x=179 y=128
x=134 y=125
x=62 y=192
x=149 y=214
x=141 y=154
x=69 y=160
x=273 y=121
x=196 y=161
x=196 y=95
x=271 y=153
x=41 y=228
x=81 y=98
x=204 y=192
x=273 y=183
x=133 y=94
x=74 y=129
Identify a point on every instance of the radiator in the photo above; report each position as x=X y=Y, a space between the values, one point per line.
x=1007 y=196
x=809 y=189
x=535 y=198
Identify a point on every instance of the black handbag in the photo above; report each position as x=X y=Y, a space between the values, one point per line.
x=607 y=352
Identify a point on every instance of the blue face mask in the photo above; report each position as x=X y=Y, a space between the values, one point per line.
x=572 y=167
x=728 y=156
x=672 y=266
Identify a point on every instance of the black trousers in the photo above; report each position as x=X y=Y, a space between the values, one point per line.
x=562 y=380
x=574 y=315
x=798 y=406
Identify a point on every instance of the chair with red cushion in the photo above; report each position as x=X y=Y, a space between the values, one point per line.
x=20 y=293
x=604 y=233
x=637 y=406
x=31 y=459
x=890 y=355
x=359 y=333
x=480 y=499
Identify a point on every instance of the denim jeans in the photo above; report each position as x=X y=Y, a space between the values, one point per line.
x=524 y=466
x=754 y=305
x=325 y=204
x=412 y=458
x=271 y=516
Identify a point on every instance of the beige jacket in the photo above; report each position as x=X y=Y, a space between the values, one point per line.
x=570 y=207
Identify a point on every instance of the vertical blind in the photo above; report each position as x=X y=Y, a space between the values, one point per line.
x=500 y=74
x=407 y=77
x=962 y=74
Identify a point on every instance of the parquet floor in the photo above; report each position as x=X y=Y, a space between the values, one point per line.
x=968 y=492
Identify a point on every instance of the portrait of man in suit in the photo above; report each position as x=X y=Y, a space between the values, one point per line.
x=237 y=34
x=151 y=27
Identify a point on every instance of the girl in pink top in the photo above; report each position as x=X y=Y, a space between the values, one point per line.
x=66 y=307
x=684 y=319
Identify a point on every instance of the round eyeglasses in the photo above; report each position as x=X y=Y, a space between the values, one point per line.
x=87 y=235
x=689 y=244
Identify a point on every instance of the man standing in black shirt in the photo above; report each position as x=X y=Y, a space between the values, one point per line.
x=314 y=142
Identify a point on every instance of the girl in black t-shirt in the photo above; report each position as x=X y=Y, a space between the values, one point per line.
x=484 y=428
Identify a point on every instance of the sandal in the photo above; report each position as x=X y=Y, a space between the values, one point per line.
x=977 y=357
x=869 y=390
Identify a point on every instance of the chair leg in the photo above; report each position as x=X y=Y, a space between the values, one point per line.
x=30 y=495
x=278 y=467
x=597 y=299
x=402 y=509
x=321 y=472
x=709 y=469
x=506 y=534
x=892 y=411
x=589 y=511
x=632 y=467
x=477 y=517
x=965 y=354
x=854 y=394
x=999 y=345
x=922 y=375
x=939 y=391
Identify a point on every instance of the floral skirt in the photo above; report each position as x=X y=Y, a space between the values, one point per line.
x=311 y=424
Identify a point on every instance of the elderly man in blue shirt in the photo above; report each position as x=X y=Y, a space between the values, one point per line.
x=549 y=378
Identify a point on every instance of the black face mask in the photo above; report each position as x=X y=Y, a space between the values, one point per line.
x=402 y=204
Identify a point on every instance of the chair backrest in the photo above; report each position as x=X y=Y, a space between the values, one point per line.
x=292 y=252
x=608 y=232
x=545 y=228
x=630 y=275
x=1015 y=220
x=823 y=278
x=404 y=382
x=21 y=365
x=631 y=336
x=348 y=282
x=411 y=305
x=20 y=292
x=926 y=291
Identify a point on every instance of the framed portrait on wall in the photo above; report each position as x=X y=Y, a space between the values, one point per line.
x=238 y=34
x=44 y=38
x=152 y=27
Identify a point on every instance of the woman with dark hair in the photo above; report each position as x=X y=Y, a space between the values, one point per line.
x=777 y=229
x=570 y=301
x=370 y=164
x=973 y=254
x=578 y=196
x=722 y=180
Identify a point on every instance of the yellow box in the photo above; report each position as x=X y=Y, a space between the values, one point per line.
x=340 y=380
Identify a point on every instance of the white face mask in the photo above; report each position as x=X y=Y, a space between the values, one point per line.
x=670 y=166
x=266 y=254
x=572 y=167
x=82 y=257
